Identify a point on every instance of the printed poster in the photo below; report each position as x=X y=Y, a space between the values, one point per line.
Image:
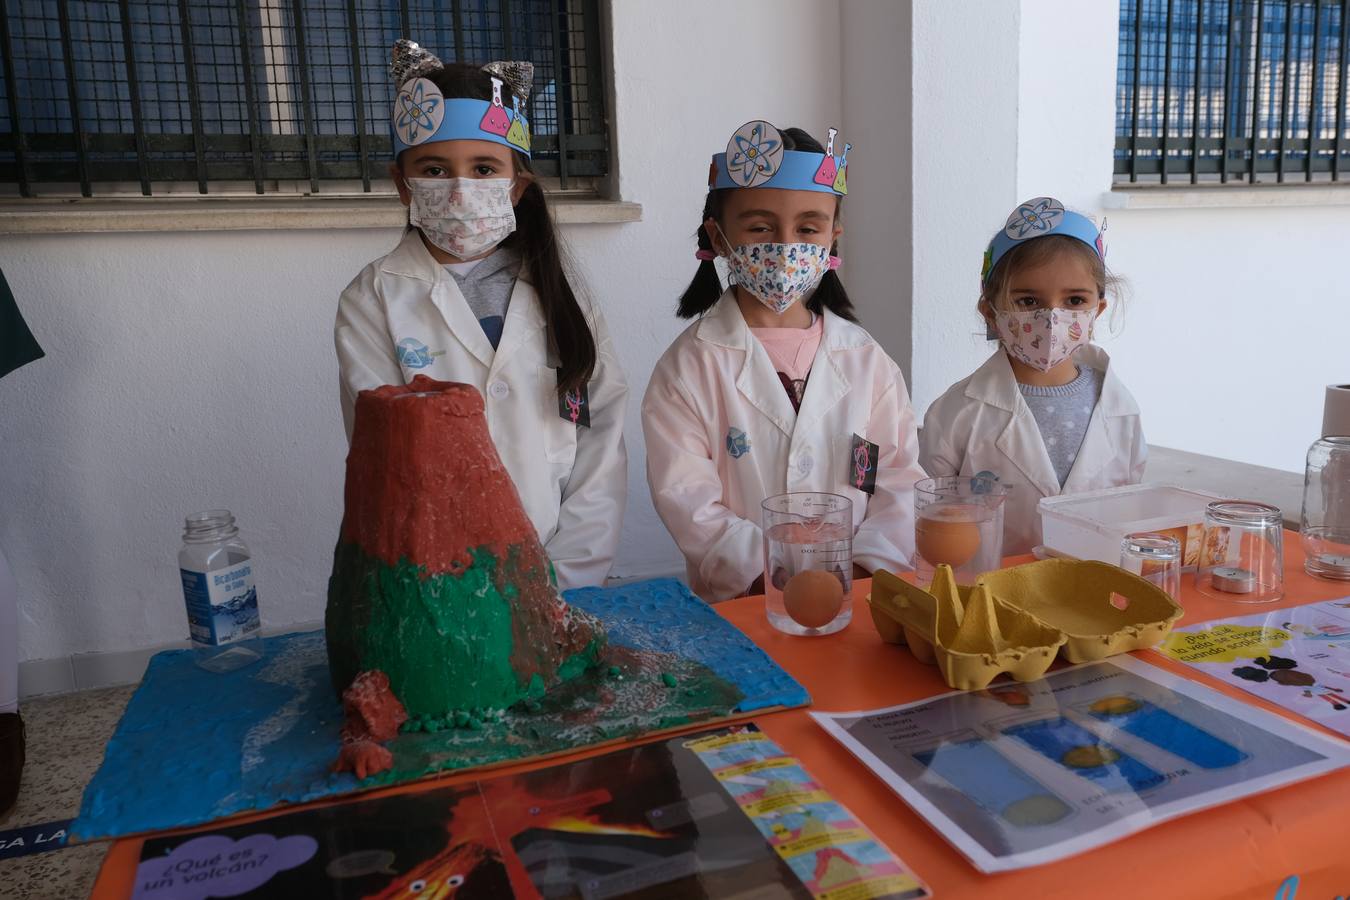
x=713 y=815
x=1298 y=658
x=1019 y=775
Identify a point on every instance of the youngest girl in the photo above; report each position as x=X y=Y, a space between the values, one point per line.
x=1045 y=414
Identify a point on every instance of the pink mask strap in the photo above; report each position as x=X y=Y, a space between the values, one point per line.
x=835 y=262
x=706 y=255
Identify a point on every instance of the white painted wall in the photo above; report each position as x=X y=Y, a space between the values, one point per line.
x=1238 y=321
x=878 y=83
x=1235 y=317
x=965 y=60
x=195 y=370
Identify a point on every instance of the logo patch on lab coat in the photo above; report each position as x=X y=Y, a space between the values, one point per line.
x=575 y=406
x=738 y=442
x=862 y=465
x=980 y=487
x=413 y=354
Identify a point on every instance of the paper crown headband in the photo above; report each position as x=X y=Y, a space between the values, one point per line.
x=421 y=113
x=1037 y=218
x=755 y=158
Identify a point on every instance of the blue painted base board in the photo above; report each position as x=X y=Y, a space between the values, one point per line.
x=194 y=746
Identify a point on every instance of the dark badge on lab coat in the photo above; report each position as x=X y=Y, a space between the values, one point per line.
x=575 y=406
x=862 y=465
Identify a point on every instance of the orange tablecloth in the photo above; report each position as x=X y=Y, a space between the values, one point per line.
x=1245 y=849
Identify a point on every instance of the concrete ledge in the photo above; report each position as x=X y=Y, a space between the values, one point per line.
x=1217 y=196
x=1235 y=480
x=83 y=215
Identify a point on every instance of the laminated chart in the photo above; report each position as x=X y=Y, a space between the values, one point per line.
x=1298 y=658
x=1017 y=775
x=689 y=816
x=828 y=849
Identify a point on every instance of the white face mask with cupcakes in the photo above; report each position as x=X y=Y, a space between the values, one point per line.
x=1044 y=338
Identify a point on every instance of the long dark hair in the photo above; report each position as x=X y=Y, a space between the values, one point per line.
x=535 y=238
x=704 y=291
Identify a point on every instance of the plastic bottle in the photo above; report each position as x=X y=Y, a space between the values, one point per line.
x=222 y=603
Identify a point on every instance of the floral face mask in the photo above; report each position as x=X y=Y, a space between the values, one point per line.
x=1044 y=338
x=778 y=275
x=465 y=217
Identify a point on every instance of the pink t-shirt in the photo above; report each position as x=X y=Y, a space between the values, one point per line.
x=792 y=350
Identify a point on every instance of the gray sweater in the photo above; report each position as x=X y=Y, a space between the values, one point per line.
x=487 y=288
x=1062 y=414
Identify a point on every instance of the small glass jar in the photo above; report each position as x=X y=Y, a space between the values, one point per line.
x=1242 y=553
x=1325 y=525
x=808 y=562
x=222 y=603
x=1153 y=557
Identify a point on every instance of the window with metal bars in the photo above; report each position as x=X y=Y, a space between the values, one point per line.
x=102 y=97
x=1233 y=91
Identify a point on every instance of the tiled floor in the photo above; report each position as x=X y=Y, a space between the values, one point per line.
x=66 y=737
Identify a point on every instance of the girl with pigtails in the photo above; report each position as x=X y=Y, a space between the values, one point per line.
x=775 y=387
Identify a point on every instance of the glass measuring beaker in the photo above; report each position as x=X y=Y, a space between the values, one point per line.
x=958 y=520
x=808 y=562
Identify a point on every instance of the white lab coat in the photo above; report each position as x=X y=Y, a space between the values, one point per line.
x=718 y=376
x=572 y=480
x=983 y=424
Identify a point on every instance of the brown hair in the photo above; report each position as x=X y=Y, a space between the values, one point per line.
x=569 y=332
x=1037 y=252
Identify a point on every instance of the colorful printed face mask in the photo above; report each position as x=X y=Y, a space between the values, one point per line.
x=1044 y=338
x=465 y=217
x=778 y=275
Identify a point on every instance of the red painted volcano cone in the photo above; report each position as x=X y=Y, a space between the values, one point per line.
x=439 y=579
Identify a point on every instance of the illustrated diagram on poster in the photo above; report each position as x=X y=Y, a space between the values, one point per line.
x=1023 y=774
x=829 y=850
x=679 y=818
x=1298 y=657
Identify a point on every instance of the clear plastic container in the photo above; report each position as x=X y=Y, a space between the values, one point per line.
x=808 y=562
x=1325 y=524
x=1092 y=525
x=222 y=603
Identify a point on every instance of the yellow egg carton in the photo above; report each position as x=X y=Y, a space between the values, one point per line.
x=1017 y=620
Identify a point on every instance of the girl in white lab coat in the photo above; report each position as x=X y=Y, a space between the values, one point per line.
x=775 y=388
x=475 y=293
x=1045 y=414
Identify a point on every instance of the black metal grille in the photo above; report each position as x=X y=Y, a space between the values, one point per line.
x=1233 y=91
x=223 y=93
